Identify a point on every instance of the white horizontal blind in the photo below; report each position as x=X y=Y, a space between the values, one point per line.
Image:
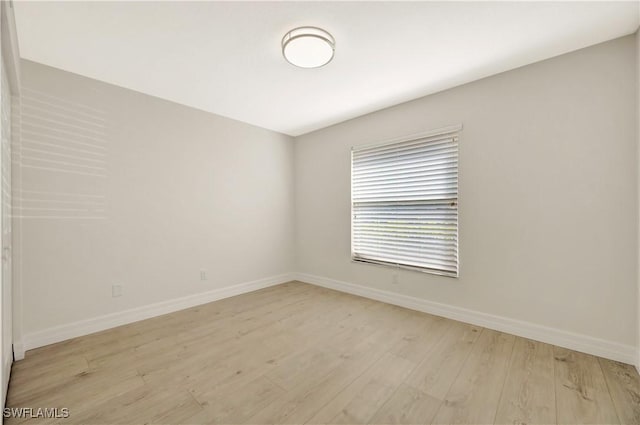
x=405 y=203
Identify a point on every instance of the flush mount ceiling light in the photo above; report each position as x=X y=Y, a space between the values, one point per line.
x=308 y=47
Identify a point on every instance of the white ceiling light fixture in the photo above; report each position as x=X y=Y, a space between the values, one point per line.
x=308 y=47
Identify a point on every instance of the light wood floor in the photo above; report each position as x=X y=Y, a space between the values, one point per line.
x=296 y=353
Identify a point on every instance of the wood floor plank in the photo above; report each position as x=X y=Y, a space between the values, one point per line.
x=452 y=343
x=407 y=406
x=235 y=407
x=421 y=334
x=144 y=404
x=278 y=346
x=359 y=401
x=624 y=386
x=279 y=343
x=302 y=402
x=230 y=363
x=211 y=350
x=358 y=352
x=45 y=374
x=311 y=364
x=582 y=395
x=529 y=396
x=473 y=398
x=81 y=393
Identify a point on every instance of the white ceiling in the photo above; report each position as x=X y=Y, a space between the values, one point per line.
x=224 y=57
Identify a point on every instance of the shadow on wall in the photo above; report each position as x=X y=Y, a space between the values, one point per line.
x=62 y=146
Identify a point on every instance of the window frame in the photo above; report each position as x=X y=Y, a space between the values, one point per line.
x=457 y=129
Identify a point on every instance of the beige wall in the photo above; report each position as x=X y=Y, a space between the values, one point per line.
x=118 y=187
x=548 y=191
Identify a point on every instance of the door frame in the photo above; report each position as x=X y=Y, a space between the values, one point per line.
x=11 y=60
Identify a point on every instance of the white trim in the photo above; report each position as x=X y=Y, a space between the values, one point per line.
x=108 y=321
x=10 y=48
x=579 y=342
x=637 y=360
x=18 y=350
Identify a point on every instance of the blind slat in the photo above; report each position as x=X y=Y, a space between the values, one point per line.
x=400 y=183
x=434 y=141
x=431 y=250
x=410 y=188
x=399 y=176
x=424 y=215
x=443 y=160
x=409 y=197
x=406 y=155
x=445 y=236
x=414 y=256
x=412 y=261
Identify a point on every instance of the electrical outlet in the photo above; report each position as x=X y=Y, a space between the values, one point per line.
x=116 y=291
x=203 y=274
x=394 y=278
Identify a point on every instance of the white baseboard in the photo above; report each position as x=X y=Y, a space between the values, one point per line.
x=18 y=350
x=583 y=343
x=579 y=342
x=100 y=323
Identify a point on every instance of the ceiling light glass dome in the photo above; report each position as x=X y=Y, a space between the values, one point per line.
x=308 y=47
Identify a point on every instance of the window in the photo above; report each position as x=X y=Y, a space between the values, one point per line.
x=404 y=203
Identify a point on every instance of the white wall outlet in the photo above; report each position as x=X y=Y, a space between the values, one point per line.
x=394 y=278
x=116 y=291
x=203 y=274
